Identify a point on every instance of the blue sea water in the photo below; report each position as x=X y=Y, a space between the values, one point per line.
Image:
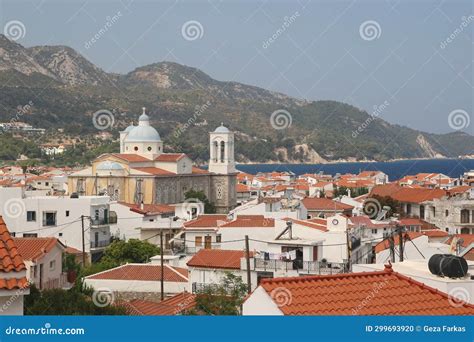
x=394 y=169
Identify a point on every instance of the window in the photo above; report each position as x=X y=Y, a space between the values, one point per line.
x=13 y=234
x=374 y=231
x=149 y=148
x=47 y=183
x=67 y=213
x=446 y=213
x=31 y=216
x=218 y=238
x=433 y=211
x=49 y=218
x=136 y=148
x=52 y=265
x=464 y=216
x=60 y=234
x=198 y=241
x=30 y=235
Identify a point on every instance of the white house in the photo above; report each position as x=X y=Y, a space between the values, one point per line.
x=139 y=280
x=210 y=266
x=43 y=258
x=59 y=217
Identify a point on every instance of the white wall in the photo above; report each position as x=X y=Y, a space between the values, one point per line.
x=260 y=303
x=136 y=285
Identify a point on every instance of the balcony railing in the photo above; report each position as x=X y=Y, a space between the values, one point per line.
x=309 y=267
x=194 y=250
x=100 y=243
x=103 y=221
x=56 y=283
x=211 y=288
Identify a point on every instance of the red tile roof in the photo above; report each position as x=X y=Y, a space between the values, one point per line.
x=404 y=194
x=130 y=157
x=308 y=223
x=217 y=258
x=366 y=293
x=250 y=221
x=154 y=171
x=150 y=209
x=385 y=244
x=36 y=248
x=13 y=283
x=145 y=272
x=10 y=259
x=178 y=304
x=170 y=157
x=314 y=203
x=206 y=221
x=197 y=170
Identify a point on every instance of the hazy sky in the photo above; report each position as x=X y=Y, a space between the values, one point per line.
x=320 y=49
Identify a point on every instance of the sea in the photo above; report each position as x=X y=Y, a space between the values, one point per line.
x=394 y=169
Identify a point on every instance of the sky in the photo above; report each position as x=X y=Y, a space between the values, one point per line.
x=414 y=57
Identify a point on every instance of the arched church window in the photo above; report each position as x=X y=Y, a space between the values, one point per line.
x=222 y=151
x=214 y=151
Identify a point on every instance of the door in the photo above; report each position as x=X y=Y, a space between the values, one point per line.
x=208 y=242
x=96 y=236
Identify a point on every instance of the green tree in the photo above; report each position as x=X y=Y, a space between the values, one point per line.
x=224 y=299
x=132 y=251
x=209 y=208
x=66 y=302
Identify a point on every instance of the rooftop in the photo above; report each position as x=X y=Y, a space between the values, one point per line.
x=143 y=272
x=368 y=293
x=175 y=305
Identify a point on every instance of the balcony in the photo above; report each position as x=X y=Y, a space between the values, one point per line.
x=211 y=288
x=103 y=221
x=303 y=267
x=99 y=244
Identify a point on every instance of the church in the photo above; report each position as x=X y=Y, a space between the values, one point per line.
x=142 y=173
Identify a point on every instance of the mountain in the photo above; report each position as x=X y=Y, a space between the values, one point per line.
x=65 y=89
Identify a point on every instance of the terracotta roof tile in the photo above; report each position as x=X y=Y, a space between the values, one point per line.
x=13 y=283
x=10 y=259
x=324 y=204
x=130 y=157
x=170 y=157
x=206 y=221
x=35 y=248
x=404 y=194
x=145 y=272
x=154 y=171
x=150 y=209
x=175 y=305
x=366 y=293
x=308 y=223
x=217 y=258
x=246 y=221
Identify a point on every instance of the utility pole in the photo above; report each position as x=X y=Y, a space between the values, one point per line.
x=392 y=247
x=83 y=243
x=247 y=257
x=400 y=242
x=349 y=251
x=162 y=268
